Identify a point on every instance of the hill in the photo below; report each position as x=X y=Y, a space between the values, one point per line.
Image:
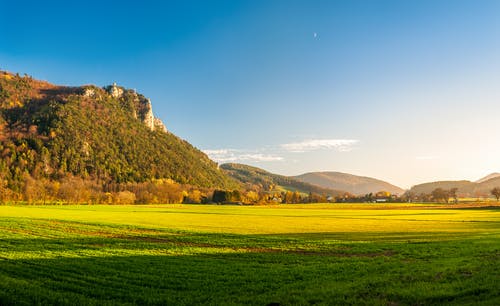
x=465 y=188
x=264 y=180
x=488 y=177
x=108 y=135
x=358 y=185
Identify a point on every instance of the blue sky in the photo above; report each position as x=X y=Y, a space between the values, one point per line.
x=405 y=91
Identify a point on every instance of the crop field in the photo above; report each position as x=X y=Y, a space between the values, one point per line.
x=361 y=254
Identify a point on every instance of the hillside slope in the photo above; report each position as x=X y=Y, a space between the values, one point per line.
x=488 y=177
x=358 y=185
x=269 y=181
x=465 y=188
x=105 y=134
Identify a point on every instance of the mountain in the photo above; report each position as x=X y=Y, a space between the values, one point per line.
x=357 y=185
x=264 y=180
x=485 y=187
x=107 y=135
x=465 y=188
x=489 y=177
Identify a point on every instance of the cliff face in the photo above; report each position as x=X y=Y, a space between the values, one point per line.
x=142 y=108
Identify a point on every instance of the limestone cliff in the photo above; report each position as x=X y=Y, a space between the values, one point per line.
x=140 y=106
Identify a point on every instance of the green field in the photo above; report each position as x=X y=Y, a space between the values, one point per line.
x=227 y=255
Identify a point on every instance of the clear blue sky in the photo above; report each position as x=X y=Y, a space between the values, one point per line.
x=406 y=91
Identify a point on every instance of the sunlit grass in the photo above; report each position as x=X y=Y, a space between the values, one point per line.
x=322 y=218
x=298 y=254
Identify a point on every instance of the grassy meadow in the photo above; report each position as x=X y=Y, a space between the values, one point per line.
x=395 y=254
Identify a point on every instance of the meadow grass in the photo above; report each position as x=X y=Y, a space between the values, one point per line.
x=228 y=255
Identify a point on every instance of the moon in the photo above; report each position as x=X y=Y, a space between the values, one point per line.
x=315 y=35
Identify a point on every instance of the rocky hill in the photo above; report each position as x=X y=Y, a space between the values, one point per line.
x=108 y=135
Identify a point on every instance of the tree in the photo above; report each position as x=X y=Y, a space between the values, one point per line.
x=496 y=192
x=383 y=194
x=296 y=198
x=453 y=194
x=124 y=197
x=425 y=197
x=194 y=196
x=439 y=194
x=288 y=197
x=252 y=196
x=409 y=196
x=236 y=196
x=219 y=196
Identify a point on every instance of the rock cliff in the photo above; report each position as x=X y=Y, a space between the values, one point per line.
x=141 y=106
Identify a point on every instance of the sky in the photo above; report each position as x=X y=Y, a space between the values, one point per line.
x=404 y=91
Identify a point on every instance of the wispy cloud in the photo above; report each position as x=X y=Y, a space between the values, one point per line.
x=233 y=155
x=276 y=153
x=341 y=145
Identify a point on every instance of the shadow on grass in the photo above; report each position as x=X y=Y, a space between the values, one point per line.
x=236 y=278
x=105 y=264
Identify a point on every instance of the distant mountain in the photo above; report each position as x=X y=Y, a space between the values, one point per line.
x=105 y=134
x=358 y=185
x=267 y=181
x=465 y=188
x=489 y=177
x=486 y=186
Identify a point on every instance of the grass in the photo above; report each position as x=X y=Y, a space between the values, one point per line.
x=229 y=255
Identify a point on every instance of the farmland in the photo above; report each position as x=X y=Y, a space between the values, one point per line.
x=298 y=254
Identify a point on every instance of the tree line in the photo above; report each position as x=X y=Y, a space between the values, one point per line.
x=77 y=190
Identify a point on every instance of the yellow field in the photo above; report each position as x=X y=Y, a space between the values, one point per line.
x=319 y=218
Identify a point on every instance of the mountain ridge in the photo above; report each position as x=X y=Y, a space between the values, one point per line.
x=465 y=188
x=355 y=184
x=267 y=181
x=488 y=177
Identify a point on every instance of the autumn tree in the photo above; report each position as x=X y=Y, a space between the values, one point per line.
x=252 y=196
x=287 y=197
x=296 y=198
x=124 y=197
x=194 y=197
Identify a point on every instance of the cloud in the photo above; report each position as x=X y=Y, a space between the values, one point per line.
x=261 y=157
x=341 y=145
x=233 y=155
x=274 y=153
